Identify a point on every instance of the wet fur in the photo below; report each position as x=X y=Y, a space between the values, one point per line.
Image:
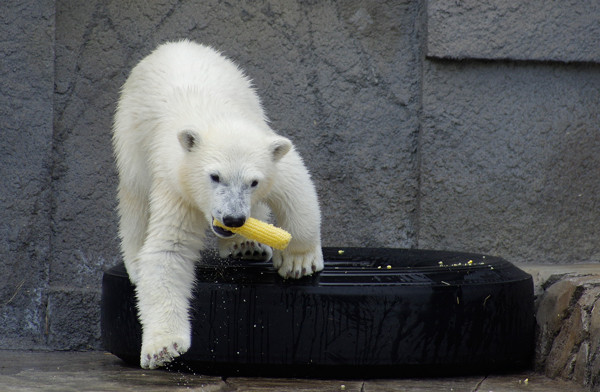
x=187 y=114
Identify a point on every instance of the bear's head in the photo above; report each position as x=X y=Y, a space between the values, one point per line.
x=227 y=172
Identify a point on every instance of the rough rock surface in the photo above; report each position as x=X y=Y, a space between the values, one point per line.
x=568 y=323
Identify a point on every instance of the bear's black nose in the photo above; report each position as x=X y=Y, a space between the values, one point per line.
x=234 y=221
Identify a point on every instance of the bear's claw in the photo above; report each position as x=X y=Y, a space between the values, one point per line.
x=241 y=248
x=297 y=265
x=154 y=356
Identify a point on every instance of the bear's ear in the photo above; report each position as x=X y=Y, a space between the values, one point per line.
x=188 y=139
x=279 y=146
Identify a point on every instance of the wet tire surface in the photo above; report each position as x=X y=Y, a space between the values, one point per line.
x=372 y=312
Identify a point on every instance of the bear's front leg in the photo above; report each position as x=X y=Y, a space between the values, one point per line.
x=163 y=291
x=165 y=279
x=299 y=263
x=295 y=205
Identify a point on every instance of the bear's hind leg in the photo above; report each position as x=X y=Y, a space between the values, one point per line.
x=295 y=206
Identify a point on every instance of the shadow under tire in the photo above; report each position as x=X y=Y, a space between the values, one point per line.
x=372 y=312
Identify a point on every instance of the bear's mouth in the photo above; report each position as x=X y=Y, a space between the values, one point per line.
x=221 y=232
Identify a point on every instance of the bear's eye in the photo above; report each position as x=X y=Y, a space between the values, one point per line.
x=215 y=178
x=254 y=184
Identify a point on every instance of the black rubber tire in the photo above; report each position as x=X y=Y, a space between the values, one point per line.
x=372 y=312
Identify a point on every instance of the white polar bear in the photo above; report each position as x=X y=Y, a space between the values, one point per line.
x=192 y=143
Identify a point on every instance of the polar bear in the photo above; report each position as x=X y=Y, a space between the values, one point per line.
x=193 y=144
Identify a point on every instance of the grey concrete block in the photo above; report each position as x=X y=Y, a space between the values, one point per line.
x=73 y=318
x=89 y=66
x=521 y=30
x=26 y=116
x=23 y=308
x=509 y=160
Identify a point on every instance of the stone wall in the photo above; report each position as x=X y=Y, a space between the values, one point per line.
x=568 y=322
x=510 y=127
x=26 y=155
x=425 y=124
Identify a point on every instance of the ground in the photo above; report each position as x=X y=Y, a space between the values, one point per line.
x=98 y=371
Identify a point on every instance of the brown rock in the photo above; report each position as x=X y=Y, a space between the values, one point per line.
x=554 y=306
x=594 y=327
x=561 y=359
x=552 y=309
x=581 y=363
x=595 y=372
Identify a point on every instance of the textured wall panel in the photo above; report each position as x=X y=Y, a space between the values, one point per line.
x=510 y=160
x=520 y=30
x=26 y=88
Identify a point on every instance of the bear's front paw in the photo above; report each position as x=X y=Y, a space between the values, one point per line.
x=244 y=249
x=298 y=264
x=158 y=352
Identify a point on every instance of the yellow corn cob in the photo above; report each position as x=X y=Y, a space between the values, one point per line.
x=262 y=232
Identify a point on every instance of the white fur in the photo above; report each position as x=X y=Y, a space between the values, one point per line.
x=192 y=143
